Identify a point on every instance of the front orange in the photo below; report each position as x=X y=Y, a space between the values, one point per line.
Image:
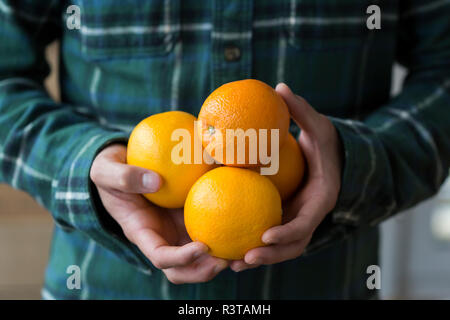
x=229 y=209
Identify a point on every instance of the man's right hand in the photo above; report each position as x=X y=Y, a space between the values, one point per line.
x=159 y=233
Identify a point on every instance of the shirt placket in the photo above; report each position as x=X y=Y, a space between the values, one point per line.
x=231 y=45
x=231 y=39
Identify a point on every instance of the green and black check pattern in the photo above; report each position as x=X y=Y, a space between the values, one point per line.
x=133 y=58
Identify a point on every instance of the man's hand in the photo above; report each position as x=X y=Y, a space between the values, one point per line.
x=159 y=233
x=304 y=212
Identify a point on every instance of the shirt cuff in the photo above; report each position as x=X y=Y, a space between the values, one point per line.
x=78 y=206
x=342 y=221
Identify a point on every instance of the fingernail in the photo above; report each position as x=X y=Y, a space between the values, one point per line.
x=254 y=261
x=202 y=250
x=201 y=246
x=238 y=269
x=268 y=240
x=220 y=267
x=150 y=181
x=280 y=84
x=198 y=254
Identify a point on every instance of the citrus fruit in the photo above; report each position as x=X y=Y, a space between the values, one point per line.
x=150 y=146
x=242 y=105
x=229 y=209
x=291 y=168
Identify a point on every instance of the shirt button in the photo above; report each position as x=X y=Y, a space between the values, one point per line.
x=232 y=53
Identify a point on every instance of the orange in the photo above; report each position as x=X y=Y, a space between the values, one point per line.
x=229 y=209
x=291 y=168
x=245 y=104
x=150 y=146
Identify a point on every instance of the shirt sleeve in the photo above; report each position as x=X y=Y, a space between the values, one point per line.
x=399 y=155
x=47 y=148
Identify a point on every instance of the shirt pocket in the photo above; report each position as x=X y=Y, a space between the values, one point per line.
x=326 y=24
x=128 y=28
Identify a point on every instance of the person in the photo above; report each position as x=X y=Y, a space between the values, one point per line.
x=369 y=156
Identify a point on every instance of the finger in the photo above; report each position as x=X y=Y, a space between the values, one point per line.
x=241 y=265
x=294 y=230
x=302 y=113
x=125 y=178
x=203 y=269
x=308 y=218
x=164 y=256
x=276 y=253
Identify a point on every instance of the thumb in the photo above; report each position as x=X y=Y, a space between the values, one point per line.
x=302 y=113
x=125 y=178
x=133 y=179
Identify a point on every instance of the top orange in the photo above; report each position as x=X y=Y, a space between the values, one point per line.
x=245 y=104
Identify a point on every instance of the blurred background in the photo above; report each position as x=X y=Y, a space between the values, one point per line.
x=415 y=247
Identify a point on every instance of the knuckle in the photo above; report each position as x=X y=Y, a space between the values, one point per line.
x=296 y=230
x=157 y=263
x=290 y=231
x=128 y=235
x=174 y=280
x=208 y=276
x=123 y=181
x=185 y=259
x=94 y=174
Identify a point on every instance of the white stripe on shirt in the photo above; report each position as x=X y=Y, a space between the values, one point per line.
x=71 y=171
x=176 y=75
x=84 y=267
x=373 y=160
x=257 y=24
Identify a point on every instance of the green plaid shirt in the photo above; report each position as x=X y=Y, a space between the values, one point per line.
x=133 y=58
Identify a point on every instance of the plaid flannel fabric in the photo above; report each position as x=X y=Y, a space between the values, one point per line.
x=133 y=58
